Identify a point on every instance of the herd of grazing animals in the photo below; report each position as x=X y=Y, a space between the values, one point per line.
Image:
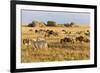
x=42 y=42
x=45 y=44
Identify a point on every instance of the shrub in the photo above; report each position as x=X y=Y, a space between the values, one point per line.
x=31 y=24
x=72 y=23
x=69 y=24
x=51 y=23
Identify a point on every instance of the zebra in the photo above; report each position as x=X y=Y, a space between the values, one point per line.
x=39 y=43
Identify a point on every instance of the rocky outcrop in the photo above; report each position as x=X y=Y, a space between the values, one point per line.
x=38 y=23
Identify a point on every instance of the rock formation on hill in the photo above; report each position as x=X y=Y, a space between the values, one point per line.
x=37 y=24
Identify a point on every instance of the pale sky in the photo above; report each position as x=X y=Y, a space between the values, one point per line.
x=60 y=17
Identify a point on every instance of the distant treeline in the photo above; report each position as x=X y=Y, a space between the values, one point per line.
x=49 y=23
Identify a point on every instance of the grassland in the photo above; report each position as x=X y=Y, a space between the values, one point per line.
x=55 y=51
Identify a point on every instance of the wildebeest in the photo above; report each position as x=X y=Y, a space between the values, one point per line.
x=65 y=40
x=87 y=33
x=50 y=32
x=80 y=38
x=55 y=33
x=86 y=40
x=64 y=30
x=36 y=31
x=26 y=41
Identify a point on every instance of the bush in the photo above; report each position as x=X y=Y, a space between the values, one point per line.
x=30 y=25
x=51 y=23
x=69 y=24
x=72 y=23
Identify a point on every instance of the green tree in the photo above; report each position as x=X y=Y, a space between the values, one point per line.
x=51 y=23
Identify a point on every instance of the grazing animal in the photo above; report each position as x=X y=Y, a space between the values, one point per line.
x=87 y=30
x=36 y=31
x=27 y=42
x=86 y=40
x=55 y=33
x=65 y=40
x=40 y=43
x=87 y=33
x=50 y=32
x=64 y=30
x=80 y=38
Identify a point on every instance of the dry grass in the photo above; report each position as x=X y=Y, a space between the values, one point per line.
x=56 y=51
